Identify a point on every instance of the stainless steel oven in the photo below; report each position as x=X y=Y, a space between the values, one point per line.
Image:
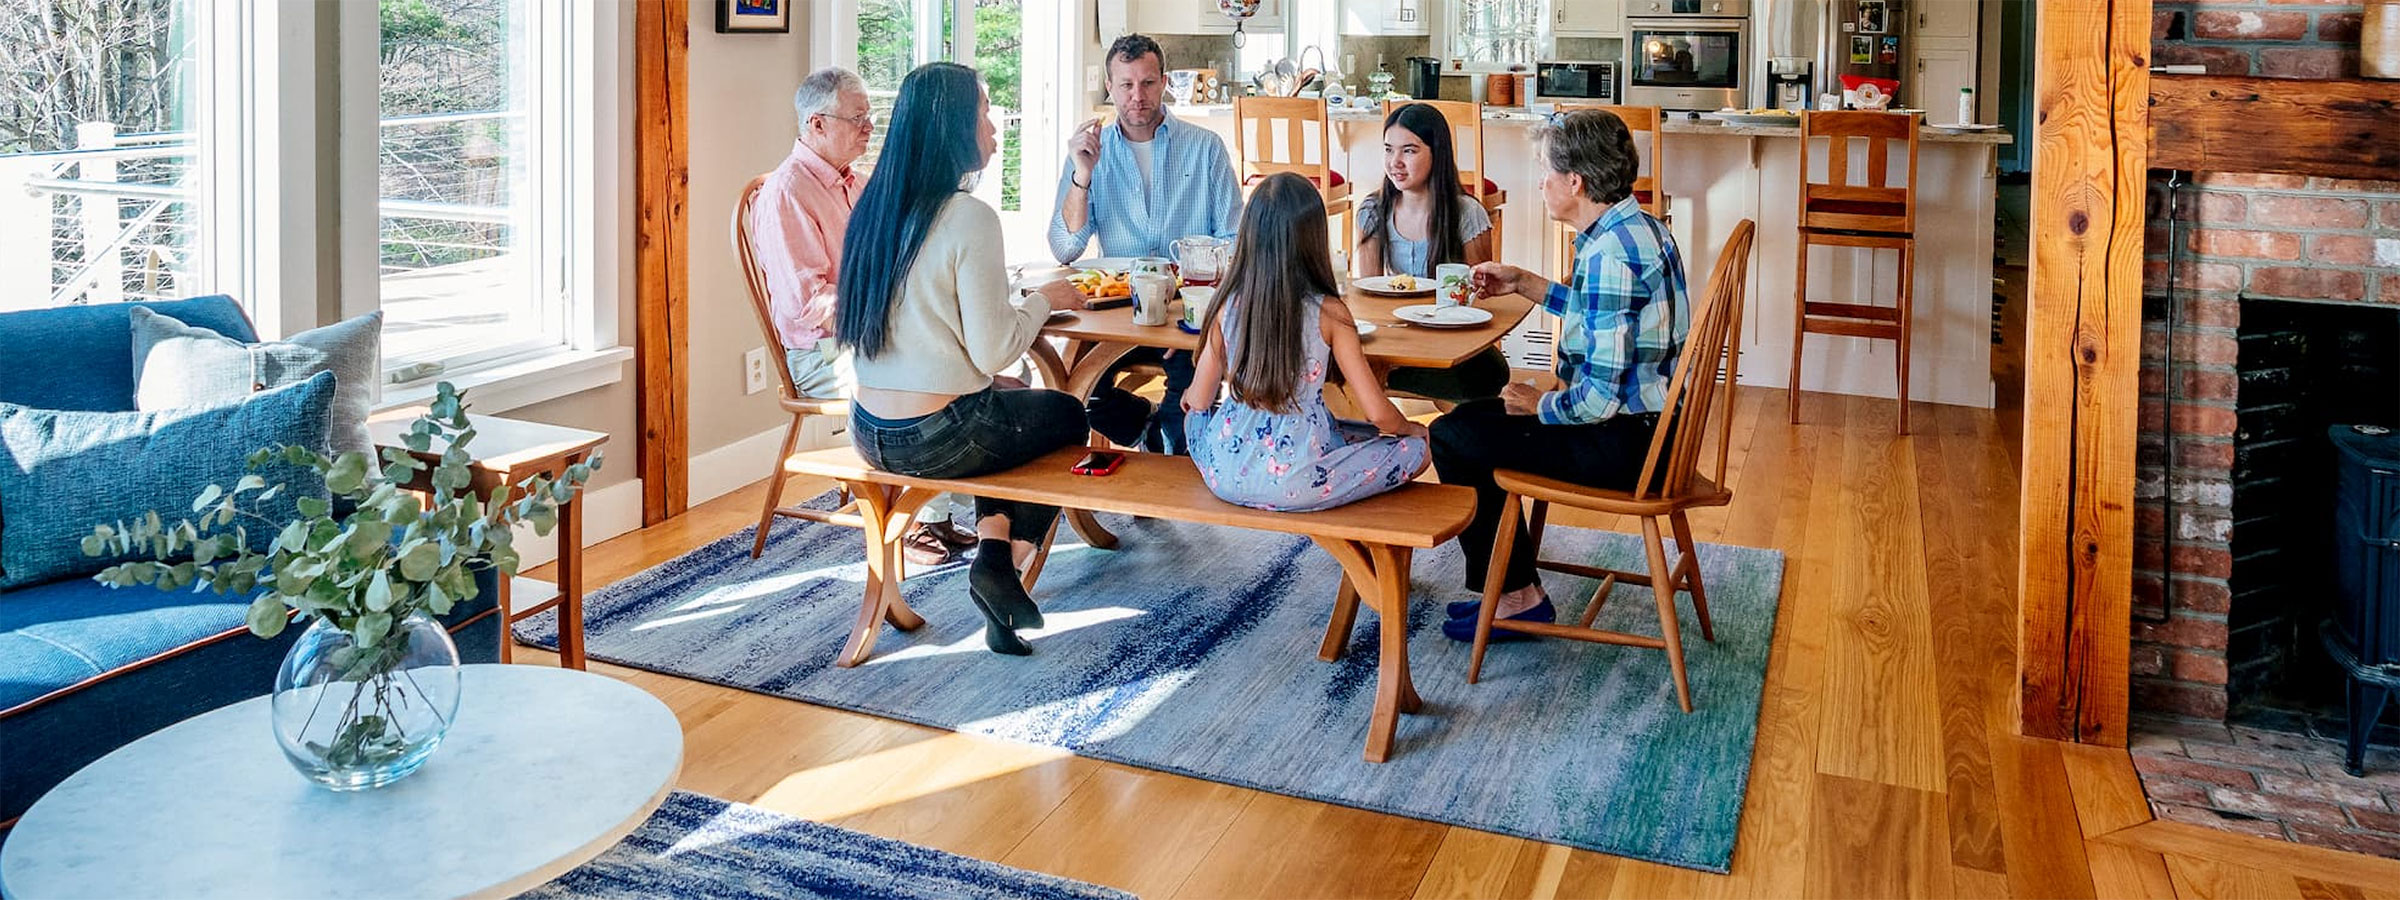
x=1686 y=62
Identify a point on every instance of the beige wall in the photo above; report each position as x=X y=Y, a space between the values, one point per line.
x=741 y=125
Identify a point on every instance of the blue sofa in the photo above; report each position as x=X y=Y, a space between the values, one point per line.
x=85 y=669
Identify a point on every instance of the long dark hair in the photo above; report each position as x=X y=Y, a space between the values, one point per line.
x=1280 y=263
x=1445 y=235
x=927 y=154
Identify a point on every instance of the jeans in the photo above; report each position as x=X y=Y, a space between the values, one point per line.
x=1479 y=437
x=991 y=430
x=1480 y=377
x=1131 y=421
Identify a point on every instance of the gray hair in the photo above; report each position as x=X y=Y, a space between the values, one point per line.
x=822 y=89
x=1597 y=146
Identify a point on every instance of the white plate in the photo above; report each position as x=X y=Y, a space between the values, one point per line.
x=1956 y=128
x=1103 y=263
x=1382 y=284
x=1432 y=316
x=1365 y=328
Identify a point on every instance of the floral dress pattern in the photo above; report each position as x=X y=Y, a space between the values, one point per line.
x=1302 y=460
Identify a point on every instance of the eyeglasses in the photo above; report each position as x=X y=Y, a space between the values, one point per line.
x=865 y=122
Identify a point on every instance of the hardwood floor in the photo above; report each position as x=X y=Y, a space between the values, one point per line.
x=1885 y=764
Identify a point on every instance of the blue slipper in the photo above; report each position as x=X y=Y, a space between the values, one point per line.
x=1463 y=630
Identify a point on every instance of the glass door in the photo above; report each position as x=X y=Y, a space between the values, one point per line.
x=896 y=36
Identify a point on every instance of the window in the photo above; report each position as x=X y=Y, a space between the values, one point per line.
x=1495 y=34
x=470 y=164
x=97 y=154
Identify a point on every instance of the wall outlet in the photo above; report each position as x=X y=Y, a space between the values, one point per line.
x=754 y=370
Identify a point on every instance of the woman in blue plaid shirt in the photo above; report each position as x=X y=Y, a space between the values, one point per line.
x=1622 y=323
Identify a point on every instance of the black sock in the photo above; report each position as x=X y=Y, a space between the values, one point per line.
x=993 y=579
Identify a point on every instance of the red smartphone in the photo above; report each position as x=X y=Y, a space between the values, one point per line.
x=1099 y=462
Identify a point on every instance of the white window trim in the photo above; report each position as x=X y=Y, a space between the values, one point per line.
x=592 y=226
x=260 y=141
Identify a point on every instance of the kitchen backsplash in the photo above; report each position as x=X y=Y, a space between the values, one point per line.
x=1395 y=50
x=1197 y=51
x=1591 y=49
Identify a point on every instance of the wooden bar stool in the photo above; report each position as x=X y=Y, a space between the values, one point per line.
x=1466 y=130
x=1863 y=210
x=1647 y=181
x=788 y=394
x=1699 y=410
x=1297 y=118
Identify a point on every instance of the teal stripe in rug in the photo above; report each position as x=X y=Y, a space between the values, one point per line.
x=1192 y=649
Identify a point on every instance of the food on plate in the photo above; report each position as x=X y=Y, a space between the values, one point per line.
x=1101 y=284
x=1403 y=282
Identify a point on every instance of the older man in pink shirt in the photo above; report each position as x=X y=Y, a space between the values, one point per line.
x=796 y=226
x=796 y=229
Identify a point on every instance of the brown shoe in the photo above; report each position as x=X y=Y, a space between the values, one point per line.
x=925 y=547
x=949 y=533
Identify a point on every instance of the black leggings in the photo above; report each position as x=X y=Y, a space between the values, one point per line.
x=1479 y=437
x=992 y=430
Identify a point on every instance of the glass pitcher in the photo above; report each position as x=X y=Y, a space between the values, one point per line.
x=1201 y=258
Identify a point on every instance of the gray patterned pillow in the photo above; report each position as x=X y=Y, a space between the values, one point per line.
x=177 y=365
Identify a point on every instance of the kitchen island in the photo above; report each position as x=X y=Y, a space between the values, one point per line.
x=1717 y=175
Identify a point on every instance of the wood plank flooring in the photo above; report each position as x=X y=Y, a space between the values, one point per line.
x=1885 y=765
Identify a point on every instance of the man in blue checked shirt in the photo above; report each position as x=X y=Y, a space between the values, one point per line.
x=1622 y=323
x=1139 y=185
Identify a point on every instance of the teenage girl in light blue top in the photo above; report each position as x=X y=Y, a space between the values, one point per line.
x=1275 y=331
x=1417 y=220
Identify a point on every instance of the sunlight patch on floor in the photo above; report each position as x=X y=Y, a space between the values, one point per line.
x=1054 y=623
x=900 y=774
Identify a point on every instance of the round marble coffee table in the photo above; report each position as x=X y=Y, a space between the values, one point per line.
x=544 y=769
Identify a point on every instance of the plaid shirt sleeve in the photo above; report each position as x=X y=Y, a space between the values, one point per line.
x=1601 y=303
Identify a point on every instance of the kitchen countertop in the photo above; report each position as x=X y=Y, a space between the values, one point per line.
x=1674 y=124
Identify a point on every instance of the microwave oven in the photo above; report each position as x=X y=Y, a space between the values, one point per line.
x=1575 y=80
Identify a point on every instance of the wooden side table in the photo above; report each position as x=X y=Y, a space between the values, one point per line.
x=508 y=451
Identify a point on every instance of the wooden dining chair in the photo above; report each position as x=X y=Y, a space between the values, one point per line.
x=1698 y=412
x=1861 y=210
x=788 y=394
x=1466 y=131
x=1648 y=181
x=1297 y=119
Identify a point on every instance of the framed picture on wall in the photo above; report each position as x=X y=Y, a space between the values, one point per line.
x=1872 y=16
x=754 y=16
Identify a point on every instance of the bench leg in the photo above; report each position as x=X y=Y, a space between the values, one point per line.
x=1381 y=574
x=1395 y=692
x=888 y=513
x=1345 y=616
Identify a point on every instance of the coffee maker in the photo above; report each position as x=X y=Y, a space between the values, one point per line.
x=1788 y=83
x=1424 y=79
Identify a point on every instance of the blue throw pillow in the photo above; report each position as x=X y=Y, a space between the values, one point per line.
x=62 y=472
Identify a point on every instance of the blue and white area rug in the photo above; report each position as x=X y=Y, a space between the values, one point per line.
x=700 y=846
x=1193 y=649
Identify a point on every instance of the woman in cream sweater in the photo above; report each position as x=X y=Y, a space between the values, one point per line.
x=927 y=312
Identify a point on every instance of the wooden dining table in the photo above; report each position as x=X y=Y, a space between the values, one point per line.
x=1094 y=340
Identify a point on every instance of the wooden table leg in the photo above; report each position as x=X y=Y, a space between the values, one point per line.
x=508 y=637
x=1090 y=367
x=570 y=583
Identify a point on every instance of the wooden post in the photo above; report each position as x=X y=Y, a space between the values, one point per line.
x=662 y=36
x=2083 y=339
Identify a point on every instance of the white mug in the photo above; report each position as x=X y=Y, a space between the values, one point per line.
x=1195 y=305
x=1453 y=287
x=1150 y=294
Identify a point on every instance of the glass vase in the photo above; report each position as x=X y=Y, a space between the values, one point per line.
x=353 y=718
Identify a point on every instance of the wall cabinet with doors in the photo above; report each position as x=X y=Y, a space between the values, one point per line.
x=1202 y=17
x=1387 y=18
x=1587 y=18
x=1945 y=46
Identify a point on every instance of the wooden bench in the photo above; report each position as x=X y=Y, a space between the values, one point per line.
x=1372 y=539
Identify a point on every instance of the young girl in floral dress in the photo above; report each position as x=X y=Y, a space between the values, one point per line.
x=1276 y=327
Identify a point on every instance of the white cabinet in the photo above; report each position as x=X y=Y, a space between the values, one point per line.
x=1941 y=71
x=1587 y=18
x=1200 y=17
x=1947 y=18
x=1386 y=18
